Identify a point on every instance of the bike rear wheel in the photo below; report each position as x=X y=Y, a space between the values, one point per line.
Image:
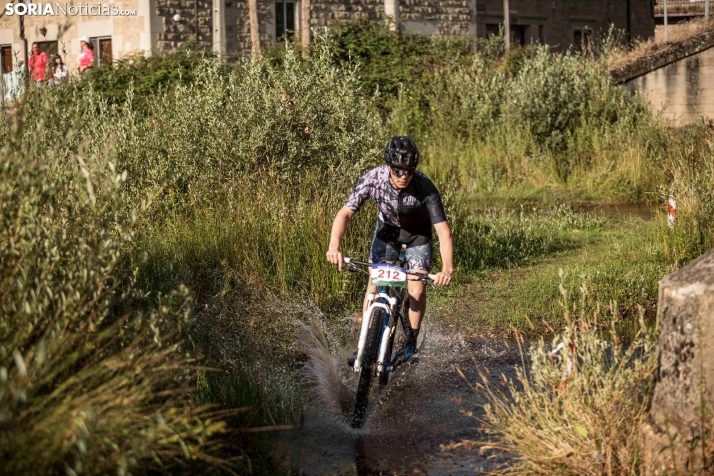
x=369 y=361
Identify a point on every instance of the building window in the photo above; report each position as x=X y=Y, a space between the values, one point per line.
x=102 y=49
x=49 y=47
x=583 y=38
x=493 y=29
x=518 y=32
x=518 y=35
x=284 y=20
x=541 y=33
x=6 y=59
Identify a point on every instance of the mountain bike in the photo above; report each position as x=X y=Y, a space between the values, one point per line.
x=387 y=310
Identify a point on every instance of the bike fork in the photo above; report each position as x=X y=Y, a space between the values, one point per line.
x=389 y=309
x=388 y=331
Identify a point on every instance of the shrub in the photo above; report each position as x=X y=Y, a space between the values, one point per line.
x=90 y=381
x=388 y=59
x=144 y=76
x=577 y=412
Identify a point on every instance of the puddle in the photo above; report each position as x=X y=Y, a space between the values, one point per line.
x=413 y=424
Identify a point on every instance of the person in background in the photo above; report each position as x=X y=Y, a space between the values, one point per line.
x=38 y=63
x=59 y=72
x=86 y=58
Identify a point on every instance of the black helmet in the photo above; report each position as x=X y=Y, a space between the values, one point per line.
x=401 y=153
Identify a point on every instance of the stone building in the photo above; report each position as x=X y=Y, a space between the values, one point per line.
x=126 y=29
x=225 y=25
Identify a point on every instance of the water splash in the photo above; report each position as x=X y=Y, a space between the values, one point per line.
x=322 y=371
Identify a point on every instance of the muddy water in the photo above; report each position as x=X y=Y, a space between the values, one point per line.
x=414 y=425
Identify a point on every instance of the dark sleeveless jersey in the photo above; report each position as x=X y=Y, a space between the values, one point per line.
x=405 y=215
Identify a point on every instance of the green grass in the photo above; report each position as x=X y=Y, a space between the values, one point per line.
x=619 y=262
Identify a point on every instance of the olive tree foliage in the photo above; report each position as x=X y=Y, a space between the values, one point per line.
x=546 y=96
x=230 y=127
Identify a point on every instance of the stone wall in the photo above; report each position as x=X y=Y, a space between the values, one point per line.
x=326 y=12
x=238 y=40
x=678 y=83
x=677 y=437
x=555 y=22
x=549 y=21
x=442 y=18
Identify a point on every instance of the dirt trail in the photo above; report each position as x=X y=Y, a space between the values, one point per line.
x=411 y=424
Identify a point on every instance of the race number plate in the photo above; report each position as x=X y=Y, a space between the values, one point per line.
x=384 y=274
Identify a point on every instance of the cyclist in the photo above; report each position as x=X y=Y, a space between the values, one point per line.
x=409 y=204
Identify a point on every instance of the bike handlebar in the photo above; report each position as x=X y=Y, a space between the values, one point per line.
x=428 y=277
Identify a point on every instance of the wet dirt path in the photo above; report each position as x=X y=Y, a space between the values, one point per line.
x=413 y=424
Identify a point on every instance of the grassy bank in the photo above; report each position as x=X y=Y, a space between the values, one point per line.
x=618 y=261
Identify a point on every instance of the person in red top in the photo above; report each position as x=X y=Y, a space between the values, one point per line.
x=38 y=64
x=86 y=58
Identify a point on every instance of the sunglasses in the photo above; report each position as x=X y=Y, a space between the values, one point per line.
x=399 y=173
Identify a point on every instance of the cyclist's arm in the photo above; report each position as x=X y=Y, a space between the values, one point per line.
x=446 y=249
x=339 y=226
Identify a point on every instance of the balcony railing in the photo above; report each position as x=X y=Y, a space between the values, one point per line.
x=680 y=8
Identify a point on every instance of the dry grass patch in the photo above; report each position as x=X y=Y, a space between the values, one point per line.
x=575 y=410
x=678 y=33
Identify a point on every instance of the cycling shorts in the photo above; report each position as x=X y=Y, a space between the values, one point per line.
x=418 y=256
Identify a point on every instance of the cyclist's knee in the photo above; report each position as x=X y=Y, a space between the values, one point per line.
x=418 y=293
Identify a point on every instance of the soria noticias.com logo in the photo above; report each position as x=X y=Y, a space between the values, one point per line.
x=57 y=8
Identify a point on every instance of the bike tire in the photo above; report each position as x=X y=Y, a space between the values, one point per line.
x=384 y=377
x=369 y=361
x=399 y=323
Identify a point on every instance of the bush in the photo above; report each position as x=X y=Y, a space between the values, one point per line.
x=90 y=381
x=534 y=118
x=257 y=125
x=388 y=59
x=577 y=412
x=144 y=76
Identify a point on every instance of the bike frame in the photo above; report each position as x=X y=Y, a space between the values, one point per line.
x=382 y=299
x=389 y=304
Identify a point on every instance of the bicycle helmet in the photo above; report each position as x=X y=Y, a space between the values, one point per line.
x=401 y=153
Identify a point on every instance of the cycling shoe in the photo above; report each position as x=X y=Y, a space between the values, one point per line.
x=351 y=360
x=407 y=355
x=411 y=355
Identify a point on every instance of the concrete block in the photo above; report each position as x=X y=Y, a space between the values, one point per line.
x=683 y=401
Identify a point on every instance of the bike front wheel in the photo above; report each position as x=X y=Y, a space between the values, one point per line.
x=399 y=322
x=369 y=361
